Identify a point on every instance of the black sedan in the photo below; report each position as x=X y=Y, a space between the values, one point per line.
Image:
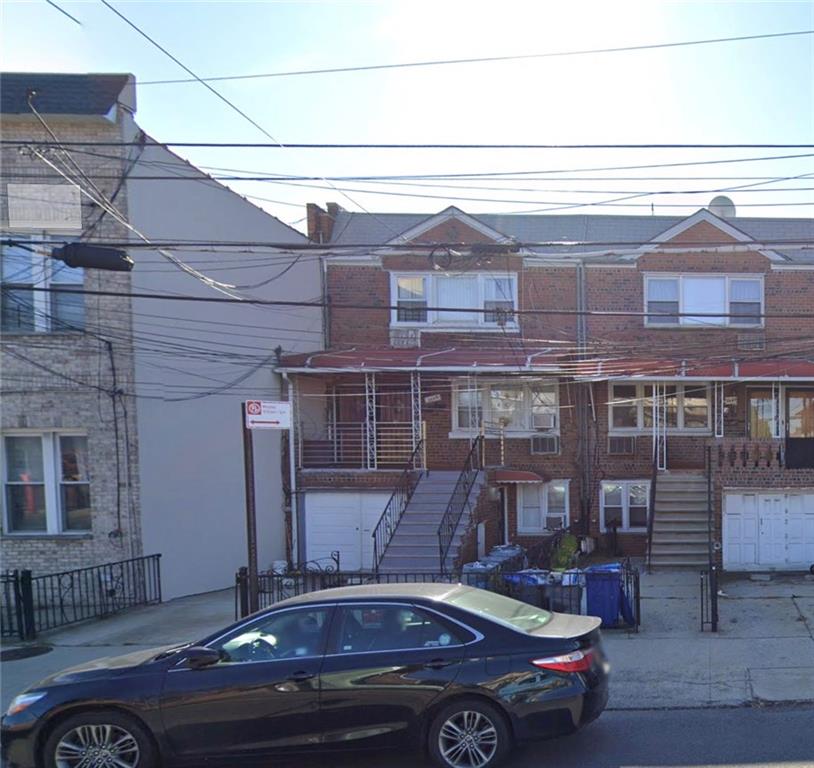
x=458 y=672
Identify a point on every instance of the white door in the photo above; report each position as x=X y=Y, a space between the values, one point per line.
x=343 y=521
x=801 y=529
x=772 y=531
x=740 y=530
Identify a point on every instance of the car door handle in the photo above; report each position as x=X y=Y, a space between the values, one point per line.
x=301 y=677
x=437 y=664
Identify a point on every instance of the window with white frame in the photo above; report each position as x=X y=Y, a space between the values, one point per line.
x=46 y=486
x=624 y=505
x=718 y=300
x=509 y=404
x=542 y=507
x=23 y=310
x=469 y=299
x=683 y=407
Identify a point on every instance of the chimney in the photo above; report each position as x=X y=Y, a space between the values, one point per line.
x=321 y=222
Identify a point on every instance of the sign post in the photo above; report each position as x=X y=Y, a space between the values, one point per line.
x=257 y=414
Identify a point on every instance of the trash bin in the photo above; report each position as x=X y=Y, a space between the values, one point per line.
x=511 y=557
x=603 y=584
x=564 y=591
x=528 y=586
x=477 y=574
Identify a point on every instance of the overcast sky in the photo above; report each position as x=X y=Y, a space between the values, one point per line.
x=759 y=91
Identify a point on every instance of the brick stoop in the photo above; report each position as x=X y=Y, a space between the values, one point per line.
x=414 y=546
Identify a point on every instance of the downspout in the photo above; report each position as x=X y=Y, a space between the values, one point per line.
x=583 y=403
x=292 y=468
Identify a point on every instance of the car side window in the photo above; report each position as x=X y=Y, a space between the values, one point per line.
x=282 y=635
x=367 y=628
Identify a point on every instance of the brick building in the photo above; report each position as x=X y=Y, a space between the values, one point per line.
x=617 y=384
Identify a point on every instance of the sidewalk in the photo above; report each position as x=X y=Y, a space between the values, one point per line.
x=762 y=654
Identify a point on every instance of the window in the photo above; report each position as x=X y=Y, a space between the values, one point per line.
x=625 y=505
x=370 y=628
x=283 y=635
x=512 y=613
x=718 y=300
x=454 y=294
x=542 y=507
x=511 y=405
x=684 y=406
x=763 y=414
x=26 y=311
x=46 y=484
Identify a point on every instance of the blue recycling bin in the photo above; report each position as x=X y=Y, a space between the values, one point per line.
x=528 y=586
x=603 y=584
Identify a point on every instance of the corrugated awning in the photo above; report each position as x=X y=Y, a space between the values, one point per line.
x=463 y=359
x=502 y=476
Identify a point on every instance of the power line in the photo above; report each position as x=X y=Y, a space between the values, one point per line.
x=64 y=12
x=483 y=59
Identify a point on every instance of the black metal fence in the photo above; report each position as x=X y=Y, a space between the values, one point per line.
x=614 y=595
x=33 y=604
x=709 y=599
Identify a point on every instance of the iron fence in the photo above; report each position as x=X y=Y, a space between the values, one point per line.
x=583 y=593
x=33 y=604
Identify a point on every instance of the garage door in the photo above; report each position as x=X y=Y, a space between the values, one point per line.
x=344 y=521
x=769 y=530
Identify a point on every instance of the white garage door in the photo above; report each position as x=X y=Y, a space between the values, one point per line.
x=344 y=521
x=768 y=530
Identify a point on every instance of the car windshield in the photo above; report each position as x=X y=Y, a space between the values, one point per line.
x=513 y=613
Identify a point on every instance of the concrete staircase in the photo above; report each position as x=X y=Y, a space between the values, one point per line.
x=680 y=535
x=414 y=546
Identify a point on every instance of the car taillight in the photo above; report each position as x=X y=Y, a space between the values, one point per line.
x=578 y=661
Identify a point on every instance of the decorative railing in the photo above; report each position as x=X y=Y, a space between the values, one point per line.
x=400 y=498
x=33 y=604
x=746 y=453
x=350 y=445
x=458 y=500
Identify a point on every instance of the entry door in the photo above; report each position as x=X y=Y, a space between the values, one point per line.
x=772 y=529
x=800 y=428
x=801 y=529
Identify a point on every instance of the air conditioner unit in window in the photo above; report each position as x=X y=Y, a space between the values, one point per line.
x=545 y=444
x=405 y=337
x=621 y=445
x=544 y=421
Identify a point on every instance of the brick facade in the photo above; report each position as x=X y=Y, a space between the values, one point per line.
x=68 y=381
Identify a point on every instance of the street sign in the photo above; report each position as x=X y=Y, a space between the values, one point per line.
x=268 y=414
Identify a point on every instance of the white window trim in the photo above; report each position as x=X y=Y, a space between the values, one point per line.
x=544 y=496
x=640 y=428
x=625 y=527
x=484 y=387
x=42 y=300
x=51 y=482
x=681 y=325
x=432 y=301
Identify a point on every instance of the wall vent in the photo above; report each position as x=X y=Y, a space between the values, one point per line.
x=751 y=342
x=621 y=445
x=405 y=337
x=545 y=444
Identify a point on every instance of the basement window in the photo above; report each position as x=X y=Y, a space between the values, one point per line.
x=625 y=505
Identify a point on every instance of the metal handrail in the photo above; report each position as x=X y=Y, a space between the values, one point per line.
x=708 y=472
x=399 y=499
x=458 y=500
x=654 y=473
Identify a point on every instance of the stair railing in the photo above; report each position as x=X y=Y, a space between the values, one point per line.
x=458 y=500
x=654 y=473
x=711 y=548
x=399 y=499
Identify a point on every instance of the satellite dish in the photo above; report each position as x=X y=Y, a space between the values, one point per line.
x=722 y=206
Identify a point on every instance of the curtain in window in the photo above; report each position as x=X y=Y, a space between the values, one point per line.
x=458 y=292
x=744 y=302
x=705 y=295
x=531 y=510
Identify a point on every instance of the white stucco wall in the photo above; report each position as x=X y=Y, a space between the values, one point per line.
x=191 y=460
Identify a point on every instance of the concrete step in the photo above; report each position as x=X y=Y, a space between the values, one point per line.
x=679 y=517
x=408 y=551
x=660 y=526
x=680 y=537
x=438 y=505
x=684 y=563
x=411 y=565
x=679 y=494
x=680 y=506
x=423 y=517
x=670 y=552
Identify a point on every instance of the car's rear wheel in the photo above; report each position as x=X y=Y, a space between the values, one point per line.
x=99 y=740
x=469 y=734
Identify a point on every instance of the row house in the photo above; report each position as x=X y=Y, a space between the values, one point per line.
x=645 y=382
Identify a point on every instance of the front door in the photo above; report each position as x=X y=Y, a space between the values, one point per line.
x=772 y=529
x=263 y=696
x=800 y=428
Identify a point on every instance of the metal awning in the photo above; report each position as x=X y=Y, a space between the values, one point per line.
x=505 y=476
x=671 y=370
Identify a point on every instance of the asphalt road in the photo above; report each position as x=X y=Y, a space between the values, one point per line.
x=697 y=738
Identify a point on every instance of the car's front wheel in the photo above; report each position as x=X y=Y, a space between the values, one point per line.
x=100 y=740
x=469 y=734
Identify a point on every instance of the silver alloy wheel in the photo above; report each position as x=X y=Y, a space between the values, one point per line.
x=468 y=739
x=97 y=746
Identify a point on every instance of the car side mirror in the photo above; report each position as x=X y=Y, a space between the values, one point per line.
x=199 y=657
